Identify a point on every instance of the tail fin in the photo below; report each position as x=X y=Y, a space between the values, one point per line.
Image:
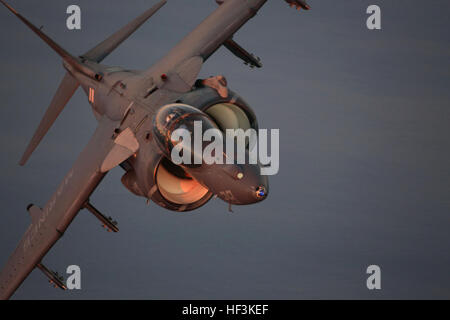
x=57 y=48
x=69 y=85
x=65 y=91
x=102 y=50
x=99 y=52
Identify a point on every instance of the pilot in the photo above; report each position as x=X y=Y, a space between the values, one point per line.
x=218 y=83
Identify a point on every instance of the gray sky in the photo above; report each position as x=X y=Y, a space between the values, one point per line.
x=365 y=151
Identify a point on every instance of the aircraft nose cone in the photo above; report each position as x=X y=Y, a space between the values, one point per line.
x=234 y=184
x=262 y=189
x=252 y=187
x=261 y=193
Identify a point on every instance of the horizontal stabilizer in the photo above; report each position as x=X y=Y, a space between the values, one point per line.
x=56 y=47
x=243 y=54
x=101 y=51
x=62 y=96
x=65 y=91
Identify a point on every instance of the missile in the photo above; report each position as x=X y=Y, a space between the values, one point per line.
x=54 y=278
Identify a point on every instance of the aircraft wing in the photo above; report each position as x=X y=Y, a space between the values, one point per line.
x=184 y=62
x=107 y=148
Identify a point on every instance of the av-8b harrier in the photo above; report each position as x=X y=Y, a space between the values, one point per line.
x=137 y=111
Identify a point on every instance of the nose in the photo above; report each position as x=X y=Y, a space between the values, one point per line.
x=262 y=189
x=261 y=192
x=234 y=184
x=252 y=187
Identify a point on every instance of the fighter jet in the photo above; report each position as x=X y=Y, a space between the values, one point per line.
x=136 y=112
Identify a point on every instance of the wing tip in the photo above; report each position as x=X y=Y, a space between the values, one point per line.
x=9 y=7
x=22 y=162
x=26 y=155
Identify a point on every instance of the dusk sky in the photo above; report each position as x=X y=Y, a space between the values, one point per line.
x=364 y=119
